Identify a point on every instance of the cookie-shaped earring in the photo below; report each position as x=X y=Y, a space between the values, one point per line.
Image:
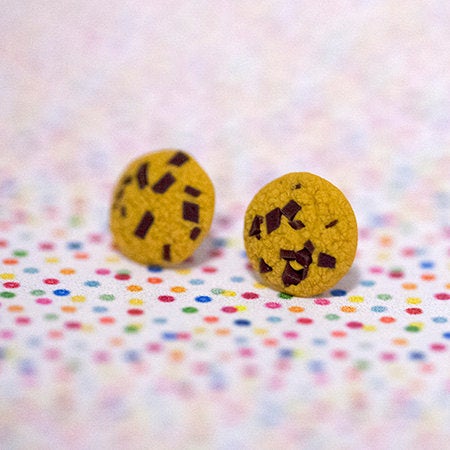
x=162 y=208
x=300 y=234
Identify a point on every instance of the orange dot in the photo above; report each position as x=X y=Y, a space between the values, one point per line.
x=67 y=271
x=211 y=319
x=400 y=341
x=386 y=241
x=154 y=280
x=134 y=288
x=55 y=334
x=15 y=308
x=68 y=309
x=296 y=309
x=10 y=261
x=81 y=255
x=176 y=355
x=116 y=341
x=107 y=320
x=447 y=285
x=348 y=309
x=409 y=286
x=223 y=331
x=338 y=333
x=428 y=277
x=178 y=289
x=387 y=319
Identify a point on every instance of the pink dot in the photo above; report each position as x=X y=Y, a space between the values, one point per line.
x=43 y=301
x=442 y=296
x=153 y=347
x=95 y=238
x=250 y=295
x=273 y=305
x=183 y=336
x=438 y=347
x=339 y=354
x=102 y=271
x=229 y=309
x=73 y=325
x=101 y=356
x=291 y=334
x=322 y=301
x=413 y=311
x=6 y=334
x=354 y=325
x=135 y=312
x=46 y=246
x=23 y=320
x=376 y=269
x=51 y=281
x=166 y=298
x=304 y=321
x=408 y=251
x=11 y=284
x=52 y=354
x=388 y=356
x=246 y=352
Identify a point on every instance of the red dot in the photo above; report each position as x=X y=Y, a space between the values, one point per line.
x=339 y=354
x=183 y=336
x=273 y=305
x=305 y=321
x=229 y=309
x=442 y=296
x=396 y=274
x=209 y=269
x=354 y=325
x=23 y=320
x=122 y=276
x=166 y=298
x=250 y=295
x=3 y=243
x=438 y=347
x=73 y=325
x=211 y=319
x=51 y=281
x=46 y=246
x=135 y=312
x=322 y=301
x=413 y=311
x=107 y=320
x=387 y=319
x=11 y=284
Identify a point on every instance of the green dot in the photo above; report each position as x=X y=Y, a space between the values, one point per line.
x=107 y=297
x=123 y=272
x=362 y=364
x=131 y=329
x=20 y=253
x=284 y=295
x=189 y=310
x=51 y=316
x=37 y=292
x=75 y=221
x=384 y=296
x=412 y=328
x=200 y=345
x=217 y=291
x=332 y=317
x=7 y=294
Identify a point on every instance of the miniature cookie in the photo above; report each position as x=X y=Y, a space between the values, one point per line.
x=300 y=234
x=162 y=208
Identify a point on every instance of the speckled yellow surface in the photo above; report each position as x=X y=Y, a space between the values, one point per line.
x=300 y=234
x=162 y=208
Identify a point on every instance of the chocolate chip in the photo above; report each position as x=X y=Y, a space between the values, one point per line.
x=127 y=180
x=255 y=229
x=309 y=246
x=144 y=225
x=291 y=276
x=332 y=224
x=142 y=175
x=273 y=220
x=288 y=255
x=191 y=212
x=163 y=183
x=194 y=233
x=192 y=191
x=297 y=224
x=120 y=193
x=297 y=186
x=264 y=267
x=326 y=260
x=303 y=257
x=166 y=253
x=291 y=209
x=179 y=159
x=123 y=211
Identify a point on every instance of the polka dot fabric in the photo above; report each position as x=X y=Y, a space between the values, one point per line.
x=97 y=351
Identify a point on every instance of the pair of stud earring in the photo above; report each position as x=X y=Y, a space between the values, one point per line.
x=300 y=231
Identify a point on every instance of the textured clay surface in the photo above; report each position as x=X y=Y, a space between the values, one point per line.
x=162 y=208
x=300 y=234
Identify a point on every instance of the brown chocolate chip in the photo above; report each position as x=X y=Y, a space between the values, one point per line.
x=326 y=260
x=303 y=257
x=291 y=276
x=288 y=255
x=120 y=193
x=191 y=212
x=291 y=209
x=273 y=220
x=309 y=246
x=264 y=267
x=123 y=211
x=144 y=225
x=127 y=180
x=163 y=183
x=142 y=175
x=255 y=229
x=195 y=233
x=179 y=159
x=166 y=253
x=297 y=224
x=331 y=224
x=192 y=191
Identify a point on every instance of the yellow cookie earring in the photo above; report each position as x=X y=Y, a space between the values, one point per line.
x=162 y=208
x=300 y=234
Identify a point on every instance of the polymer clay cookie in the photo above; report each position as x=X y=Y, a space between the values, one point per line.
x=162 y=208
x=300 y=234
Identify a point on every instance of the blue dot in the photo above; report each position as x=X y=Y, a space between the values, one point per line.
x=274 y=319
x=26 y=367
x=286 y=353
x=427 y=264
x=243 y=254
x=100 y=309
x=219 y=242
x=316 y=366
x=169 y=336
x=367 y=283
x=319 y=341
x=34 y=341
x=241 y=340
x=446 y=335
x=237 y=279
x=61 y=292
x=31 y=270
x=159 y=320
x=378 y=308
x=196 y=281
x=2 y=353
x=338 y=292
x=132 y=356
x=92 y=283
x=439 y=319
x=154 y=268
x=75 y=245
x=242 y=322
x=416 y=355
x=203 y=299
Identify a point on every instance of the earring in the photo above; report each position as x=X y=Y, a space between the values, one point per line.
x=162 y=208
x=300 y=234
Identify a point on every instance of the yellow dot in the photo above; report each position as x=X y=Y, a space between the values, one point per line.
x=136 y=301
x=241 y=308
x=384 y=256
x=369 y=328
x=348 y=309
x=296 y=309
x=52 y=260
x=178 y=289
x=67 y=271
x=417 y=324
x=134 y=288
x=299 y=353
x=112 y=258
x=199 y=330
x=260 y=331
x=229 y=293
x=7 y=276
x=356 y=299
x=78 y=298
x=183 y=271
x=259 y=286
x=87 y=328
x=413 y=300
